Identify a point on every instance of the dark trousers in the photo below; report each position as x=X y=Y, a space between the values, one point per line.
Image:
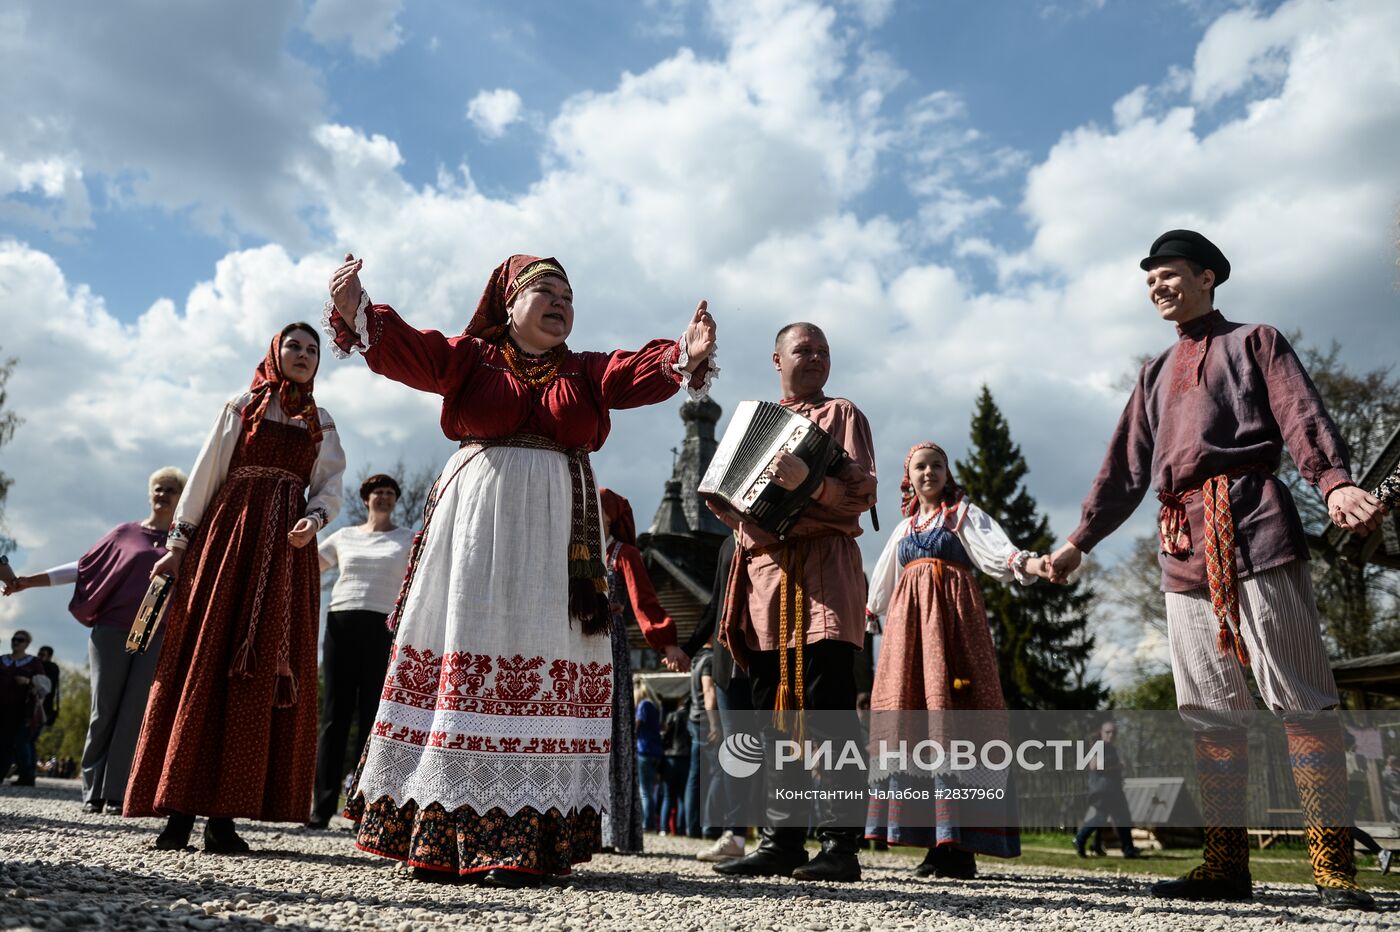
x=742 y=796
x=355 y=657
x=1105 y=806
x=830 y=687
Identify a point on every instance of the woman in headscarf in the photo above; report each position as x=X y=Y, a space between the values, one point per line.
x=937 y=656
x=230 y=729
x=109 y=582
x=489 y=756
x=629 y=587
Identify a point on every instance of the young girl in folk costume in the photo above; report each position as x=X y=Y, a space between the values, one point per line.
x=629 y=584
x=937 y=653
x=489 y=754
x=230 y=728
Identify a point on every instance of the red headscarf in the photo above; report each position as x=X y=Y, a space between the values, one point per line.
x=489 y=321
x=908 y=499
x=617 y=512
x=296 y=400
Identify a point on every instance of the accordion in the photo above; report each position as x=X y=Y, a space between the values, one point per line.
x=150 y=614
x=737 y=480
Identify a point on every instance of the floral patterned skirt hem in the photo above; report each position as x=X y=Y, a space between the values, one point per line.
x=466 y=842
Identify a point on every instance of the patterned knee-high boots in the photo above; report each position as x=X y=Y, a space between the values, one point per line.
x=1318 y=759
x=1222 y=773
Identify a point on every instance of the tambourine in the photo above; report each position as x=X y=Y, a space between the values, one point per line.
x=149 y=614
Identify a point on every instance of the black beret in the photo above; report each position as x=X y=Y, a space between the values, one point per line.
x=1188 y=244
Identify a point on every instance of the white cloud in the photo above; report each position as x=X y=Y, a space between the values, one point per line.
x=494 y=111
x=735 y=177
x=369 y=27
x=190 y=107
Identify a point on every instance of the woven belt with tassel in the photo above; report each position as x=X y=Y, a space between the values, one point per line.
x=1174 y=533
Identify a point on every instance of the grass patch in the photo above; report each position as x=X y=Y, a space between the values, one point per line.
x=1285 y=862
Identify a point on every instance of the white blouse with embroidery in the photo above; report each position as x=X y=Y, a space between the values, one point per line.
x=990 y=550
x=211 y=469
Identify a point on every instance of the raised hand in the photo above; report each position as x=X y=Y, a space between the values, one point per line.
x=303 y=533
x=700 y=336
x=1354 y=509
x=345 y=288
x=1063 y=562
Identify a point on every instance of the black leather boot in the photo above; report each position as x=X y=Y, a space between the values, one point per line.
x=1195 y=886
x=1346 y=898
x=220 y=838
x=176 y=834
x=780 y=851
x=837 y=862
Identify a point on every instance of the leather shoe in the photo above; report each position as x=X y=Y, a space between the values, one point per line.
x=92 y=807
x=955 y=864
x=506 y=879
x=766 y=861
x=1229 y=889
x=220 y=838
x=928 y=865
x=830 y=866
x=1346 y=898
x=1079 y=847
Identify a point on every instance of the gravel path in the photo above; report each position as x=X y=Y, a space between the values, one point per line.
x=62 y=869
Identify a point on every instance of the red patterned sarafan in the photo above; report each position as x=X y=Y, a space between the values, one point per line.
x=517 y=680
x=462 y=670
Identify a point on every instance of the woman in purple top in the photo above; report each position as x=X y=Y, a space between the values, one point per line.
x=109 y=582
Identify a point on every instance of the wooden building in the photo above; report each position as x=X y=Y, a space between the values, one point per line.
x=680 y=545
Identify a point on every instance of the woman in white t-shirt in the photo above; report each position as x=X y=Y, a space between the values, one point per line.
x=372 y=558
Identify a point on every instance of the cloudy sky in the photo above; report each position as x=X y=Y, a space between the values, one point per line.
x=957 y=192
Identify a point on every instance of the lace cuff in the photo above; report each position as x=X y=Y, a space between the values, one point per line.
x=688 y=379
x=345 y=341
x=1017 y=564
x=872 y=623
x=320 y=515
x=181 y=532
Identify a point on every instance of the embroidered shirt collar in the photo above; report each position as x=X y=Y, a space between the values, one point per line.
x=1199 y=327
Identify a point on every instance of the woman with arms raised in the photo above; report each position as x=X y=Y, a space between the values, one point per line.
x=230 y=729
x=488 y=759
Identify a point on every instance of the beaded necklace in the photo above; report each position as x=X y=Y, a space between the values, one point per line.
x=535 y=371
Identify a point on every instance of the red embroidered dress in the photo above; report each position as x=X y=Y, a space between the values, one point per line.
x=491 y=745
x=230 y=727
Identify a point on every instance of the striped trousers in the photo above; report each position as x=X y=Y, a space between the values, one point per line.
x=1281 y=629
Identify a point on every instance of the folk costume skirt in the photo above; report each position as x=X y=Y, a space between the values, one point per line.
x=230 y=727
x=491 y=744
x=622 y=820
x=937 y=655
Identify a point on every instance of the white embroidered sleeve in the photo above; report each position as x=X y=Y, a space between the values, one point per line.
x=990 y=549
x=326 y=494
x=64 y=575
x=207 y=476
x=886 y=574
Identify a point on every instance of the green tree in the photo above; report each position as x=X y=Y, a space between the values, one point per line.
x=1041 y=631
x=1360 y=603
x=64 y=738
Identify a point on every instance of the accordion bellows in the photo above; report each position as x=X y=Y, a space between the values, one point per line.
x=737 y=479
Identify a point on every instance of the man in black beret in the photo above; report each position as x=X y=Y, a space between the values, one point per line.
x=1207 y=424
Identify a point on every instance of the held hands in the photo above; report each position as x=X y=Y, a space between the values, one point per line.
x=346 y=290
x=1041 y=567
x=1354 y=509
x=675 y=659
x=303 y=533
x=699 y=336
x=20 y=583
x=1063 y=562
x=169 y=565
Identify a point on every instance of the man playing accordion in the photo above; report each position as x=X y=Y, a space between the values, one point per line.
x=795 y=615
